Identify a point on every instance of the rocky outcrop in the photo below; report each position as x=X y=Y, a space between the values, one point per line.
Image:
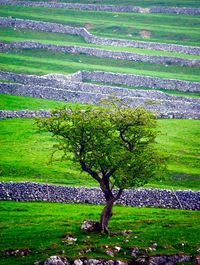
x=110 y=8
x=59 y=28
x=101 y=53
x=28 y=191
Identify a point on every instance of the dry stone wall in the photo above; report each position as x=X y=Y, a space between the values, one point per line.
x=27 y=191
x=110 y=8
x=161 y=107
x=59 y=28
x=141 y=81
x=101 y=53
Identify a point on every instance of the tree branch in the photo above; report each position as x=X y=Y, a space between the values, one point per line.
x=90 y=171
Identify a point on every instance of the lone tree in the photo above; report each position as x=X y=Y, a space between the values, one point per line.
x=114 y=145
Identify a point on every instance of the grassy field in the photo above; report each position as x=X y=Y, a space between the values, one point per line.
x=41 y=227
x=145 y=3
x=184 y=30
x=42 y=62
x=11 y=102
x=13 y=35
x=25 y=153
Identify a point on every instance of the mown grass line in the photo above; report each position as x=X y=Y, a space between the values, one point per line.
x=25 y=154
x=184 y=30
x=144 y=3
x=42 y=62
x=14 y=35
x=41 y=227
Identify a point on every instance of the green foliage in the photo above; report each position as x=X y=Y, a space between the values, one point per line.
x=113 y=144
x=24 y=155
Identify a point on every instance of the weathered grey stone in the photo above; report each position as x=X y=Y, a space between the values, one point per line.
x=71 y=89
x=101 y=53
x=29 y=191
x=168 y=260
x=88 y=37
x=56 y=260
x=90 y=226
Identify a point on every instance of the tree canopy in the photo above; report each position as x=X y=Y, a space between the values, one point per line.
x=114 y=144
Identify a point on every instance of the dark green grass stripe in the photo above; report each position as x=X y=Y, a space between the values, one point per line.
x=43 y=62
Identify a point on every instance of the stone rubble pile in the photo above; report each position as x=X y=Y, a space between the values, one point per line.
x=110 y=8
x=88 y=37
x=29 y=191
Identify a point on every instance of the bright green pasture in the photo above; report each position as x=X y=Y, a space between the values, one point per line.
x=181 y=29
x=41 y=227
x=13 y=35
x=25 y=154
x=42 y=62
x=11 y=102
x=144 y=3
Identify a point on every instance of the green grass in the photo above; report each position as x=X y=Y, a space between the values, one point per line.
x=40 y=227
x=10 y=102
x=42 y=62
x=184 y=30
x=13 y=35
x=144 y=3
x=25 y=154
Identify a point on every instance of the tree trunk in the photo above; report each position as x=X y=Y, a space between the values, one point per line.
x=106 y=216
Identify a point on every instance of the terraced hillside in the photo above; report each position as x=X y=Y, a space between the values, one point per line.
x=74 y=53
x=80 y=53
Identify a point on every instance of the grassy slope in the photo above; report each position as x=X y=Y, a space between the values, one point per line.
x=41 y=227
x=11 y=102
x=13 y=35
x=25 y=154
x=44 y=62
x=184 y=30
x=144 y=3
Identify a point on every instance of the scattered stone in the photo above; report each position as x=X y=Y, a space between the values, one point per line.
x=117 y=248
x=198 y=260
x=56 y=260
x=90 y=226
x=141 y=260
x=93 y=262
x=17 y=252
x=69 y=240
x=110 y=253
x=135 y=252
x=78 y=262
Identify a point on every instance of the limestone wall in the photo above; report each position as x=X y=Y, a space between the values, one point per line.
x=101 y=53
x=141 y=81
x=27 y=191
x=54 y=27
x=76 y=93
x=110 y=8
